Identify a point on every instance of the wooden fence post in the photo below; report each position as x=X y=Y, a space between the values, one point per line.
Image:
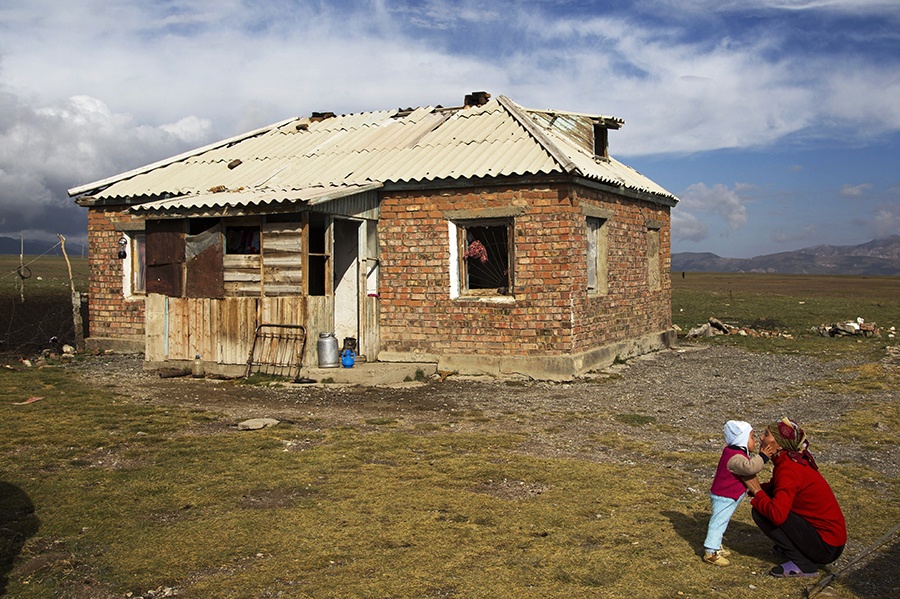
x=76 y=299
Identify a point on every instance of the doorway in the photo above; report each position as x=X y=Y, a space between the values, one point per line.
x=346 y=279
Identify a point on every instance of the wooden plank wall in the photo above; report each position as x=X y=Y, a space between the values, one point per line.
x=218 y=330
x=279 y=266
x=283 y=258
x=241 y=274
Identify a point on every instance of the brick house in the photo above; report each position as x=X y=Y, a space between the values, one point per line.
x=485 y=237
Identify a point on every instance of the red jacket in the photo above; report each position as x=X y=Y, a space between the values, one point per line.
x=801 y=489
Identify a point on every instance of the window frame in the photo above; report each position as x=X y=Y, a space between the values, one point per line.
x=463 y=228
x=597 y=232
x=134 y=267
x=654 y=262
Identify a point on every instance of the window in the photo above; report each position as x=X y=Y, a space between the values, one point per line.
x=597 y=252
x=134 y=267
x=133 y=251
x=653 y=275
x=319 y=254
x=138 y=263
x=242 y=240
x=485 y=257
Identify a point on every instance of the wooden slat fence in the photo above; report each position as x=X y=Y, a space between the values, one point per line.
x=218 y=330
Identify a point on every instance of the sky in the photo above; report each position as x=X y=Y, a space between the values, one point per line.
x=775 y=122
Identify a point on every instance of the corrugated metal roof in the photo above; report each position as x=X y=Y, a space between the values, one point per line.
x=218 y=201
x=294 y=160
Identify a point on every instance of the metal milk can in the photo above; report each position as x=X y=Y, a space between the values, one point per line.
x=327 y=346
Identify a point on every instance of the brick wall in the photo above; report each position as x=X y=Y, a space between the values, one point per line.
x=552 y=313
x=111 y=315
x=630 y=308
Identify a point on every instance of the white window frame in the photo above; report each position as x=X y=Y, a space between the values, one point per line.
x=134 y=265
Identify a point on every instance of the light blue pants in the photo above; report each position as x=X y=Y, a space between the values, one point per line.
x=722 y=509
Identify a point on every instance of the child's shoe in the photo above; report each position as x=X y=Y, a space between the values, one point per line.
x=724 y=552
x=716 y=558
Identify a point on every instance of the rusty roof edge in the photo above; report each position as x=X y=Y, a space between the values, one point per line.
x=257 y=196
x=100 y=184
x=518 y=113
x=607 y=120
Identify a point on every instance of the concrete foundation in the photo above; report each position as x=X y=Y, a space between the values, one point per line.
x=115 y=345
x=395 y=367
x=554 y=368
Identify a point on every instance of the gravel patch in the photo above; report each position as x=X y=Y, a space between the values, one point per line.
x=678 y=400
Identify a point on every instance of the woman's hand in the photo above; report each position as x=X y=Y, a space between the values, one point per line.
x=753 y=486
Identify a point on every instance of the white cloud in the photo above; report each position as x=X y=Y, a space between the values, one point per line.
x=719 y=200
x=855 y=191
x=887 y=220
x=727 y=6
x=688 y=227
x=47 y=149
x=223 y=61
x=806 y=233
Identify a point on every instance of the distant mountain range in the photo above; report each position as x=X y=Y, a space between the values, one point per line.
x=9 y=245
x=879 y=257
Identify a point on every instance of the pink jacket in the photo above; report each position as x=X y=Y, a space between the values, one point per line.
x=733 y=466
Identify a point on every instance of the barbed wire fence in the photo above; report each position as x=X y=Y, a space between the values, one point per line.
x=36 y=305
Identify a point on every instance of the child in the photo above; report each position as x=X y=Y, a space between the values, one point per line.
x=728 y=487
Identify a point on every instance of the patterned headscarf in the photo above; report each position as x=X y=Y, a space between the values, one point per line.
x=792 y=439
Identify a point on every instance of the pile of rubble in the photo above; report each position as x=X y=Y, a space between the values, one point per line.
x=859 y=327
x=845 y=329
x=714 y=326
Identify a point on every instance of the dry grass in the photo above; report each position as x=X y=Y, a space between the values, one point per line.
x=129 y=501
x=131 y=498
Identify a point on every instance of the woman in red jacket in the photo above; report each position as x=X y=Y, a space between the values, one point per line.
x=797 y=509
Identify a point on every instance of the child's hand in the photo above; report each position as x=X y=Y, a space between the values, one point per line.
x=769 y=450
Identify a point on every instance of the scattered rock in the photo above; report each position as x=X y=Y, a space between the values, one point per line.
x=849 y=328
x=840 y=329
x=256 y=423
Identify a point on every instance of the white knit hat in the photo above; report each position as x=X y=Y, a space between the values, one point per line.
x=737 y=432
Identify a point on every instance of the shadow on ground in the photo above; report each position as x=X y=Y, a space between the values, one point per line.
x=18 y=524
x=743 y=538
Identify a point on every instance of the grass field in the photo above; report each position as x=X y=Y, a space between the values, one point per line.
x=38 y=306
x=793 y=304
x=106 y=497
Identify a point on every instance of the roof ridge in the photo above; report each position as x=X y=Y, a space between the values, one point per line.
x=519 y=115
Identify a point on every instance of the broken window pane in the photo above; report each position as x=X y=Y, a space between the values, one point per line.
x=485 y=262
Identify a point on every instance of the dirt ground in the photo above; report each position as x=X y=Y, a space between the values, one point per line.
x=673 y=400
x=687 y=393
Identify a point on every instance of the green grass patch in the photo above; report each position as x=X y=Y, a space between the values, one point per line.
x=634 y=419
x=791 y=304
